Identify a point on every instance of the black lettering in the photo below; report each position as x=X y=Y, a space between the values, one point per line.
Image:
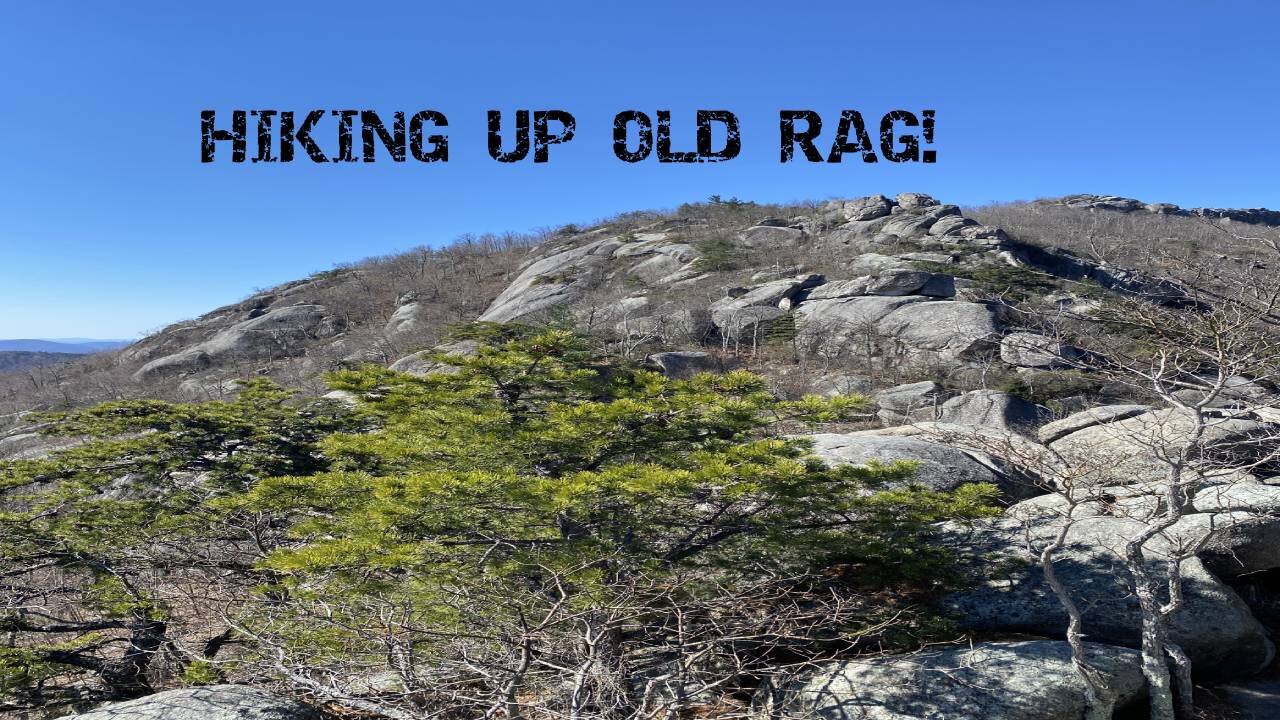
x=302 y=136
x=664 y=142
x=495 y=137
x=927 y=127
x=371 y=126
x=910 y=151
x=733 y=137
x=439 y=143
x=264 y=136
x=345 y=119
x=620 y=147
x=210 y=135
x=790 y=138
x=543 y=140
x=851 y=122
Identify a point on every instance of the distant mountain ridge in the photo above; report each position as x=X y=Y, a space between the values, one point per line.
x=14 y=360
x=74 y=346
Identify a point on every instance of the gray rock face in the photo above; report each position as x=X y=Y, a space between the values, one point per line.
x=950 y=226
x=1033 y=350
x=867 y=208
x=953 y=329
x=910 y=200
x=1238 y=392
x=916 y=221
x=684 y=365
x=275 y=334
x=406 y=319
x=750 y=313
x=910 y=403
x=668 y=323
x=762 y=236
x=1030 y=680
x=1102 y=414
x=1115 y=203
x=992 y=408
x=842 y=384
x=215 y=702
x=1234 y=520
x=554 y=280
x=940 y=467
x=421 y=364
x=27 y=444
x=653 y=269
x=834 y=328
x=1132 y=448
x=1215 y=626
x=1242 y=520
x=888 y=282
x=899 y=282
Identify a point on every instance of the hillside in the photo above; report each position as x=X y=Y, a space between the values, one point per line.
x=664 y=272
x=873 y=458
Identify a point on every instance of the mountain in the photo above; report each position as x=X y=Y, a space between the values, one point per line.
x=12 y=360
x=74 y=346
x=1106 y=371
x=690 y=279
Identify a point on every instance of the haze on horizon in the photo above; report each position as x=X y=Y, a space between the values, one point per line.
x=111 y=227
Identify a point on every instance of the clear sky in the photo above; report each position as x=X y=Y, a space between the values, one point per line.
x=111 y=227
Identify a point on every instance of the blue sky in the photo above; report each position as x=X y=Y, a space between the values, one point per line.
x=111 y=227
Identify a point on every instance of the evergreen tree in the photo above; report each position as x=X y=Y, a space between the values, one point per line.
x=533 y=528
x=109 y=549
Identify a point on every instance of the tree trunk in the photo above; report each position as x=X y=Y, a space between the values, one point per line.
x=126 y=678
x=1182 y=677
x=1155 y=667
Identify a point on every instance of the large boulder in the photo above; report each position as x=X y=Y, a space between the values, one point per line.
x=911 y=200
x=422 y=364
x=1215 y=626
x=842 y=384
x=683 y=365
x=841 y=326
x=940 y=467
x=1134 y=449
x=1032 y=350
x=911 y=402
x=1232 y=523
x=407 y=318
x=1241 y=520
x=952 y=329
x=214 y=702
x=992 y=408
x=867 y=208
x=1099 y=415
x=1027 y=680
x=750 y=312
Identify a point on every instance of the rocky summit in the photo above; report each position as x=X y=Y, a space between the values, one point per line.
x=1114 y=398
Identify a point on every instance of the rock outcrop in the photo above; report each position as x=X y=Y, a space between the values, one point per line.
x=276 y=333
x=940 y=467
x=993 y=409
x=1115 y=203
x=1030 y=680
x=1136 y=446
x=214 y=702
x=1215 y=627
